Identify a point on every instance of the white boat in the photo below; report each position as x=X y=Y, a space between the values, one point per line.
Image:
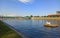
x=48 y=24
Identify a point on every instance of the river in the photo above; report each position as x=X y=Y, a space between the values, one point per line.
x=35 y=28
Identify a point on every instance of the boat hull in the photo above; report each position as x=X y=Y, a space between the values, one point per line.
x=53 y=25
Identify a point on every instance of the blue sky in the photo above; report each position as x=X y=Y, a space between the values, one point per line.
x=29 y=7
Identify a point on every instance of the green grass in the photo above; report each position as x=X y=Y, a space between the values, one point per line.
x=6 y=32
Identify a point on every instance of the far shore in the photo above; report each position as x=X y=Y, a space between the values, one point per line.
x=33 y=18
x=45 y=18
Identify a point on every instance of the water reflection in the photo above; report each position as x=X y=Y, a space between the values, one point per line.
x=35 y=28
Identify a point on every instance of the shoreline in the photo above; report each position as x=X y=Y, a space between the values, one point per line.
x=45 y=18
x=33 y=18
x=11 y=27
x=7 y=32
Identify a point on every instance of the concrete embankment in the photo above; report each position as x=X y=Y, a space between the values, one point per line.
x=6 y=32
x=45 y=18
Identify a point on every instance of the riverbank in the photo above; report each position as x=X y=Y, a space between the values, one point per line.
x=6 y=32
x=45 y=18
x=35 y=18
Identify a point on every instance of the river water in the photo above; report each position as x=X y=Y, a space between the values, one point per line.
x=35 y=28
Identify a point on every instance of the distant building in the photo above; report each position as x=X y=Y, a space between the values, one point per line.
x=55 y=15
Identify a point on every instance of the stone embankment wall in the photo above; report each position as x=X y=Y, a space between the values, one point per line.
x=45 y=18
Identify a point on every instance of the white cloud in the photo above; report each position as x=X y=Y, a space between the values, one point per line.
x=25 y=1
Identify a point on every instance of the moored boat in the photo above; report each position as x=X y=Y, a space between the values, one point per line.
x=48 y=24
